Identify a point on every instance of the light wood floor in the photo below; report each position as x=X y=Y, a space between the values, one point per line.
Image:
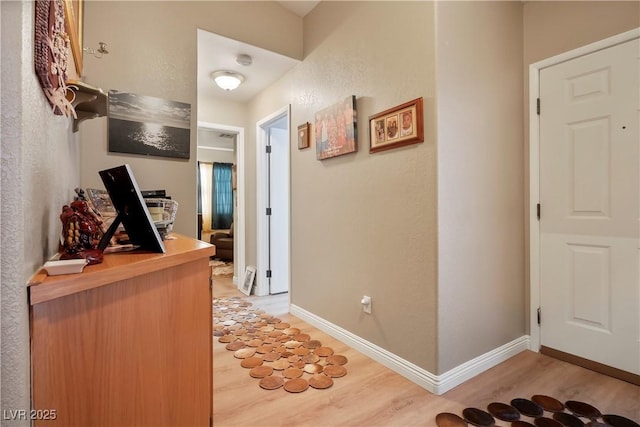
x=373 y=395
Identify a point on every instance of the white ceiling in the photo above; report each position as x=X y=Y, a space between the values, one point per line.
x=216 y=52
x=216 y=139
x=299 y=7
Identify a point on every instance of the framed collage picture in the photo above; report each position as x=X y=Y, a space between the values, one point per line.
x=396 y=127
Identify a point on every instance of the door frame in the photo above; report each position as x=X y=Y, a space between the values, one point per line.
x=240 y=217
x=534 y=167
x=262 y=134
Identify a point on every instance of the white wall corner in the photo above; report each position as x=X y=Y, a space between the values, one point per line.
x=436 y=384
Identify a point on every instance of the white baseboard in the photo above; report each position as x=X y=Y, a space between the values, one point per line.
x=437 y=384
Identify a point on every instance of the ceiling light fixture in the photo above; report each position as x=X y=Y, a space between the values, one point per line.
x=227 y=80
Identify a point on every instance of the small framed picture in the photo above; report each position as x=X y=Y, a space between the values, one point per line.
x=303 y=136
x=397 y=126
x=247 y=281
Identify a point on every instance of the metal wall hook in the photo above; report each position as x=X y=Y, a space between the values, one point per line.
x=98 y=53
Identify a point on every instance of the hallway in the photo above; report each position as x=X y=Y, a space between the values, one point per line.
x=373 y=395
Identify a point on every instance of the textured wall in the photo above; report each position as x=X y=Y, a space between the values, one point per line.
x=361 y=223
x=365 y=223
x=39 y=172
x=480 y=172
x=153 y=51
x=554 y=27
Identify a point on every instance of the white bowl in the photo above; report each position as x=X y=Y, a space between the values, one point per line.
x=68 y=266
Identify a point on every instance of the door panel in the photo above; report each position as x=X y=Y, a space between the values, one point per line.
x=589 y=191
x=279 y=220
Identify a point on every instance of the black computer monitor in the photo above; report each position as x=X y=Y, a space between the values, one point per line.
x=132 y=210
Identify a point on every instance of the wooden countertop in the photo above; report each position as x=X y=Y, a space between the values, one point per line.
x=117 y=266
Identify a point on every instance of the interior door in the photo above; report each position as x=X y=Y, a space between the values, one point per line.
x=278 y=221
x=589 y=191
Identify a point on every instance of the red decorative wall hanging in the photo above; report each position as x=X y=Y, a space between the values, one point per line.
x=51 y=53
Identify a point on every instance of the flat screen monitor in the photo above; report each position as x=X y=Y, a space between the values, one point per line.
x=132 y=210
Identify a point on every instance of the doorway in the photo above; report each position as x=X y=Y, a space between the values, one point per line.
x=273 y=202
x=585 y=293
x=239 y=204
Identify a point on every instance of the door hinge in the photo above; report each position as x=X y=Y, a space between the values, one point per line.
x=268 y=274
x=538 y=106
x=268 y=211
x=539 y=315
x=267 y=149
x=538 y=211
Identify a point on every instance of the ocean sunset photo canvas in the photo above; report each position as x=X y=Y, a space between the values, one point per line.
x=149 y=126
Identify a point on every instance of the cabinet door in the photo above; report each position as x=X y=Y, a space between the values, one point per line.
x=134 y=352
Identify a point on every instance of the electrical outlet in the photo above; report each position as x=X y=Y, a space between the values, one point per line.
x=366 y=304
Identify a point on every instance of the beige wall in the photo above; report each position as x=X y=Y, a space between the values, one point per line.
x=213 y=156
x=480 y=172
x=39 y=172
x=374 y=247
x=153 y=51
x=365 y=223
x=554 y=27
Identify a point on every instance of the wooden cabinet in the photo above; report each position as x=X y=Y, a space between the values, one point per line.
x=127 y=342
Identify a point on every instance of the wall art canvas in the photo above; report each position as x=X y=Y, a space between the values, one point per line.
x=335 y=129
x=149 y=126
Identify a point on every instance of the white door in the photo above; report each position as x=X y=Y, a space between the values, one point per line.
x=273 y=193
x=589 y=191
x=278 y=194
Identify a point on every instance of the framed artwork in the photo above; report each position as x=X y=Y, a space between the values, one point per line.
x=397 y=126
x=73 y=13
x=247 y=281
x=303 y=136
x=335 y=129
x=148 y=126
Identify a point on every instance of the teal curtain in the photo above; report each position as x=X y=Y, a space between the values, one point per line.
x=222 y=196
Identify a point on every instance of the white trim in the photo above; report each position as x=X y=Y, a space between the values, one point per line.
x=534 y=199
x=204 y=147
x=240 y=222
x=484 y=362
x=437 y=384
x=534 y=166
x=262 y=126
x=590 y=48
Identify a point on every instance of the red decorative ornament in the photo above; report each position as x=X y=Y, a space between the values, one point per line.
x=81 y=232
